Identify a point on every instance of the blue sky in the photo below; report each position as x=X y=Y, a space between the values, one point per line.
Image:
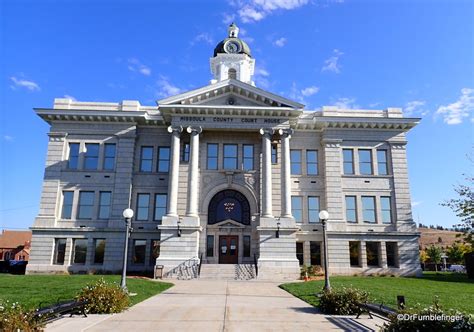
x=418 y=55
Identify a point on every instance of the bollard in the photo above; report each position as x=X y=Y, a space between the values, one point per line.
x=401 y=301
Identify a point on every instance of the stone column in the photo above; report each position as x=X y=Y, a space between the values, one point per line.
x=285 y=173
x=267 y=210
x=175 y=132
x=193 y=172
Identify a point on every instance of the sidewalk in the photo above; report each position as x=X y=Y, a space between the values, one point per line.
x=215 y=305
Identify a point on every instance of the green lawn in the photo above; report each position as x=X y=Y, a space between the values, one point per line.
x=31 y=290
x=454 y=290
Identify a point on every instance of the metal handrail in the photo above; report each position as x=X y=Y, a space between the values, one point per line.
x=200 y=264
x=256 y=265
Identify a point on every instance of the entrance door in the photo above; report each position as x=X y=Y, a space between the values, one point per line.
x=228 y=249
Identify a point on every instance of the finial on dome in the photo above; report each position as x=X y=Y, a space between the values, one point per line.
x=233 y=31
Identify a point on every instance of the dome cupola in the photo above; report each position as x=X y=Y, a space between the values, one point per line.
x=232 y=44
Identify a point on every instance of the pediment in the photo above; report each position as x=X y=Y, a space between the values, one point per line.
x=219 y=93
x=228 y=223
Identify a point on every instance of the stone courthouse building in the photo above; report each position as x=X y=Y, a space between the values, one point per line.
x=225 y=174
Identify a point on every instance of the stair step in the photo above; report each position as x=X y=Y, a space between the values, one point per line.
x=227 y=271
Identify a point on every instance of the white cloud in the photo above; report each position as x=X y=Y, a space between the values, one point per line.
x=300 y=94
x=22 y=83
x=414 y=107
x=455 y=112
x=280 y=42
x=261 y=77
x=416 y=203
x=136 y=66
x=166 y=88
x=228 y=18
x=310 y=90
x=332 y=64
x=202 y=37
x=70 y=97
x=346 y=103
x=8 y=138
x=249 y=14
x=243 y=33
x=257 y=10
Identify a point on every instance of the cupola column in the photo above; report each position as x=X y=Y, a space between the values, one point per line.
x=175 y=132
x=267 y=209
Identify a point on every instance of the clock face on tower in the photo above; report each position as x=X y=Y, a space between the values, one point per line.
x=232 y=47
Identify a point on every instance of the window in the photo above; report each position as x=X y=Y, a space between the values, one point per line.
x=386 y=206
x=80 y=251
x=86 y=204
x=104 y=204
x=246 y=245
x=210 y=246
x=392 y=254
x=232 y=73
x=351 y=209
x=295 y=157
x=382 y=162
x=313 y=209
x=315 y=252
x=299 y=252
x=372 y=249
x=73 y=160
x=109 y=156
x=99 y=245
x=230 y=156
x=365 y=162
x=312 y=162
x=368 y=209
x=274 y=153
x=139 y=250
x=154 y=251
x=59 y=251
x=160 y=206
x=163 y=159
x=143 y=204
x=348 y=160
x=91 y=156
x=297 y=208
x=146 y=159
x=354 y=253
x=247 y=162
x=68 y=197
x=212 y=156
x=186 y=149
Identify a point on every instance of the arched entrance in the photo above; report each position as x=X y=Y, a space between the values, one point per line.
x=228 y=227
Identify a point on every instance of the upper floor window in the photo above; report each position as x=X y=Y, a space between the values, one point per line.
x=313 y=209
x=368 y=209
x=109 y=156
x=143 y=205
x=348 y=161
x=146 y=159
x=160 y=206
x=385 y=204
x=104 y=204
x=274 y=147
x=297 y=208
x=351 y=209
x=382 y=162
x=91 y=156
x=73 y=160
x=163 y=159
x=365 y=162
x=230 y=156
x=212 y=155
x=68 y=197
x=295 y=157
x=232 y=73
x=186 y=149
x=312 y=162
x=247 y=162
x=86 y=204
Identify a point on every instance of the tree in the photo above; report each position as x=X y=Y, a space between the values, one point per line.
x=456 y=252
x=434 y=253
x=423 y=256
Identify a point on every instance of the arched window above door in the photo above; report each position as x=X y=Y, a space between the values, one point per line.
x=229 y=204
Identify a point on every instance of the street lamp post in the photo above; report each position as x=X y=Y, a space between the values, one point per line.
x=324 y=216
x=128 y=215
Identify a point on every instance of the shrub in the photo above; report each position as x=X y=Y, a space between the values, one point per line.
x=103 y=297
x=15 y=318
x=341 y=301
x=432 y=319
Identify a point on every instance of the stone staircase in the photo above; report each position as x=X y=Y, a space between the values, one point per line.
x=228 y=271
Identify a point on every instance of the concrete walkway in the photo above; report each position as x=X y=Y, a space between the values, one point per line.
x=218 y=305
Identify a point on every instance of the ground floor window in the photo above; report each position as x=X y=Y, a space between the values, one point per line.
x=154 y=251
x=373 y=253
x=392 y=254
x=80 y=251
x=246 y=246
x=299 y=252
x=59 y=251
x=210 y=246
x=99 y=245
x=354 y=252
x=139 y=249
x=315 y=251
